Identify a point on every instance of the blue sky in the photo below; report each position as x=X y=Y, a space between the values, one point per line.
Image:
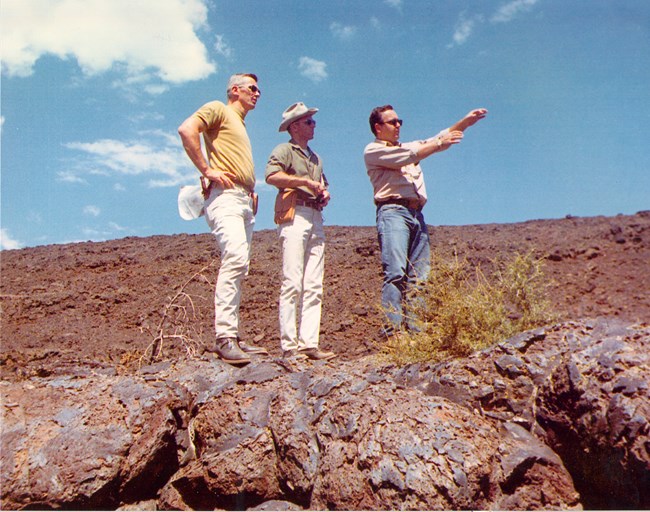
x=93 y=92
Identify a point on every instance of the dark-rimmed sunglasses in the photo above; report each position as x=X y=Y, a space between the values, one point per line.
x=252 y=88
x=394 y=122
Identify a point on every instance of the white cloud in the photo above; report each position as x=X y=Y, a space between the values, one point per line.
x=116 y=227
x=343 y=32
x=156 y=89
x=169 y=139
x=104 y=232
x=375 y=23
x=312 y=69
x=94 y=234
x=463 y=30
x=465 y=26
x=147 y=117
x=157 y=154
x=34 y=217
x=261 y=184
x=69 y=177
x=92 y=210
x=397 y=4
x=146 y=40
x=223 y=48
x=7 y=242
x=118 y=187
x=2 y=123
x=508 y=11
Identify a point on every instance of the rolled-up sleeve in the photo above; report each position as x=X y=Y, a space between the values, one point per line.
x=278 y=161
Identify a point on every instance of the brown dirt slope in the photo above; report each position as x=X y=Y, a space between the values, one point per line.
x=93 y=302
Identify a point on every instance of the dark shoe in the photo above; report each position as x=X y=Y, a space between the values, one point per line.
x=294 y=355
x=316 y=354
x=228 y=350
x=251 y=349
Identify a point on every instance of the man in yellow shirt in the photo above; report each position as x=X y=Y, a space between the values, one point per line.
x=228 y=180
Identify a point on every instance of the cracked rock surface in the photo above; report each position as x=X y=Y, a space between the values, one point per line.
x=569 y=429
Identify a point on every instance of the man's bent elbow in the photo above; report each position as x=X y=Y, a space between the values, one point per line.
x=183 y=131
x=272 y=180
x=188 y=129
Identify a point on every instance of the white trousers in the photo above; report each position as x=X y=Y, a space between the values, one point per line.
x=301 y=294
x=229 y=214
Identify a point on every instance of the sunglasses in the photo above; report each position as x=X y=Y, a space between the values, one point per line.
x=253 y=88
x=308 y=122
x=394 y=122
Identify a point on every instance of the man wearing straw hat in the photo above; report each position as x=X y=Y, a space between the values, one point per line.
x=297 y=172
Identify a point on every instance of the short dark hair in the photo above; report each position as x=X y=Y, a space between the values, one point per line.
x=375 y=116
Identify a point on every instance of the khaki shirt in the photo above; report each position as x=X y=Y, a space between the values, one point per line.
x=227 y=144
x=290 y=158
x=395 y=171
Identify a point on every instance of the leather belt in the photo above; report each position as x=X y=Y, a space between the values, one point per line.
x=208 y=189
x=211 y=184
x=309 y=203
x=412 y=204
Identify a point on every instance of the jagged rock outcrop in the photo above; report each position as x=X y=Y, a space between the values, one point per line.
x=512 y=427
x=349 y=437
x=580 y=387
x=87 y=440
x=594 y=412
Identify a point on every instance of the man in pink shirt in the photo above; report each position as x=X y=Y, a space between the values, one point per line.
x=400 y=194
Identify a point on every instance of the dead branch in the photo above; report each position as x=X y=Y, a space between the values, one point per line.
x=179 y=322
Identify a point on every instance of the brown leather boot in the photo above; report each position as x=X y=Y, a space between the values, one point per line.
x=317 y=354
x=228 y=350
x=249 y=348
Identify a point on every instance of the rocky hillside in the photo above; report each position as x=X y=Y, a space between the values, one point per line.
x=554 y=419
x=100 y=302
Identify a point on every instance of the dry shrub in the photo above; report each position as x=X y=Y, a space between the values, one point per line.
x=460 y=309
x=181 y=320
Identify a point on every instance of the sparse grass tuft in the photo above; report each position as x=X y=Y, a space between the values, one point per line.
x=461 y=310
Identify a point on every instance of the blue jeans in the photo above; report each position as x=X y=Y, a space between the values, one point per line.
x=405 y=258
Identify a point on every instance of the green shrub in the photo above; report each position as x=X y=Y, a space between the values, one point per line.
x=460 y=309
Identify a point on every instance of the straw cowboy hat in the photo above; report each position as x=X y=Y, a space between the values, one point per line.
x=295 y=112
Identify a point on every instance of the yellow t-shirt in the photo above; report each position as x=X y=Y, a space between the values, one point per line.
x=226 y=142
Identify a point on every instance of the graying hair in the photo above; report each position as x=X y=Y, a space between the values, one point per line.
x=238 y=79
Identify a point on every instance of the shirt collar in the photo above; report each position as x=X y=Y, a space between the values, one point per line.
x=389 y=144
x=295 y=145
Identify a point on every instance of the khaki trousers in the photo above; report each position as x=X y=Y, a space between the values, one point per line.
x=301 y=294
x=229 y=214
